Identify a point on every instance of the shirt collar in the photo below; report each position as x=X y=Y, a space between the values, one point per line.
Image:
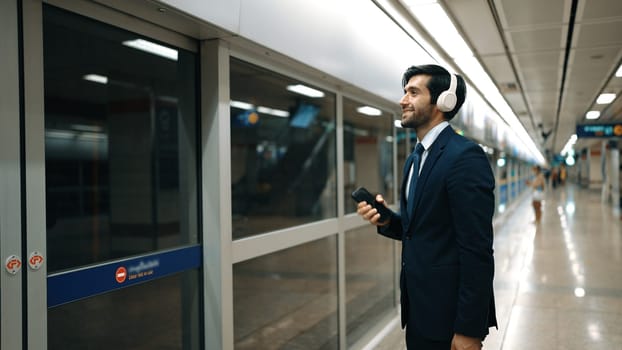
x=432 y=135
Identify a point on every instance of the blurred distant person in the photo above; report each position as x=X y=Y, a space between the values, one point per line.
x=547 y=174
x=445 y=221
x=562 y=174
x=538 y=185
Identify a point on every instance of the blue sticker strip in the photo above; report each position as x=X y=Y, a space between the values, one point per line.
x=70 y=286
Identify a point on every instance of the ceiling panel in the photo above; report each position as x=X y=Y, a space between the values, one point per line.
x=581 y=84
x=573 y=116
x=615 y=84
x=533 y=40
x=545 y=111
x=599 y=59
x=544 y=69
x=601 y=9
x=499 y=67
x=477 y=22
x=599 y=34
x=538 y=81
x=576 y=105
x=515 y=100
x=563 y=134
x=531 y=12
x=526 y=121
x=613 y=112
x=539 y=60
x=536 y=33
x=544 y=97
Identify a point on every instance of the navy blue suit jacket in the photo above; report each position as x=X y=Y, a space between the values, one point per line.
x=447 y=255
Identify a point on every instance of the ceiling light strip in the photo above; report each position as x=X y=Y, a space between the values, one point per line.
x=152 y=48
x=433 y=17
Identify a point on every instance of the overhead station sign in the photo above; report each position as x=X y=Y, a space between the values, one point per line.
x=599 y=130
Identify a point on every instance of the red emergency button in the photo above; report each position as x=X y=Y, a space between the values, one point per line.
x=12 y=264
x=35 y=260
x=121 y=274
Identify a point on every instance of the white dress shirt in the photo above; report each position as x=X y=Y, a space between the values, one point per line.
x=427 y=142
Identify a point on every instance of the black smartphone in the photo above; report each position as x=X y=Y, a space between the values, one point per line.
x=362 y=194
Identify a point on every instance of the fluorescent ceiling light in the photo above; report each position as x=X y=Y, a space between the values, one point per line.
x=60 y=134
x=169 y=99
x=305 y=90
x=604 y=99
x=240 y=104
x=475 y=71
x=260 y=109
x=592 y=115
x=432 y=16
x=272 y=111
x=360 y=132
x=619 y=71
x=419 y=2
x=89 y=128
x=96 y=78
x=371 y=111
x=152 y=48
x=92 y=136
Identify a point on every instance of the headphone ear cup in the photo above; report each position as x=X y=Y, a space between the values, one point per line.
x=446 y=101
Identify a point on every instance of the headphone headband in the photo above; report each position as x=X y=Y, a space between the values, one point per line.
x=453 y=83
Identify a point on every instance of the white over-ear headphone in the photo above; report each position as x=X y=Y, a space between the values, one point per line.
x=446 y=101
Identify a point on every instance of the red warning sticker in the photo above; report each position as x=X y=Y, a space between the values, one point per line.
x=36 y=260
x=13 y=264
x=121 y=274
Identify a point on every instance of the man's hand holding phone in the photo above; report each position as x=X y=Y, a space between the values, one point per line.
x=372 y=209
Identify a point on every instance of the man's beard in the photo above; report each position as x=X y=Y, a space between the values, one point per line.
x=417 y=119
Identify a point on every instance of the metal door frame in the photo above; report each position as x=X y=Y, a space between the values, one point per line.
x=10 y=178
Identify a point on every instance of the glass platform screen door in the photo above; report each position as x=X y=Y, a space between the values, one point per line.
x=114 y=148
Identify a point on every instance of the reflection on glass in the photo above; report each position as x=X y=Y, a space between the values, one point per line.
x=120 y=138
x=502 y=184
x=570 y=208
x=367 y=152
x=282 y=151
x=161 y=314
x=370 y=280
x=288 y=299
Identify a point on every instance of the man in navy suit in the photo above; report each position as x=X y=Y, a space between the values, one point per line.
x=445 y=220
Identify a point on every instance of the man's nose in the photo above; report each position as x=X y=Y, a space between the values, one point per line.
x=403 y=100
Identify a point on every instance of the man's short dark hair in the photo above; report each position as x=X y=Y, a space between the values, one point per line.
x=439 y=82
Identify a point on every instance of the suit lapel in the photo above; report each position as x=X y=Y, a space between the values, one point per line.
x=435 y=152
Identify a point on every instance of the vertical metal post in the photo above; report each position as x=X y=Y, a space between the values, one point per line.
x=34 y=158
x=216 y=199
x=397 y=257
x=614 y=175
x=10 y=188
x=341 y=235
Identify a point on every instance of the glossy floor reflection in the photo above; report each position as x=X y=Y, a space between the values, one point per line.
x=558 y=284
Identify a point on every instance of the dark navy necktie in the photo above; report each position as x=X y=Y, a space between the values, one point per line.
x=416 y=161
